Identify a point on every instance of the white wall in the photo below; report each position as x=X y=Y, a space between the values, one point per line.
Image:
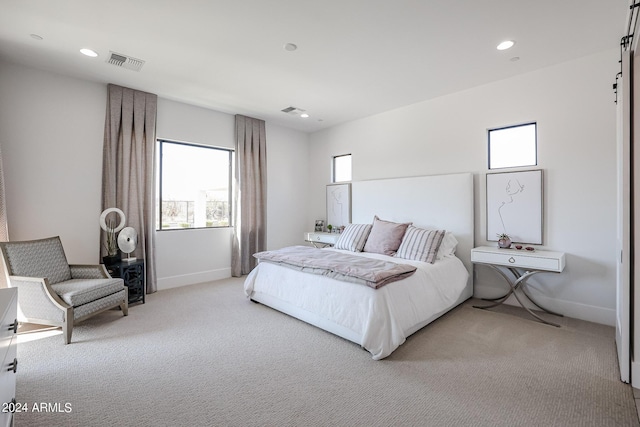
x=51 y=131
x=573 y=105
x=51 y=135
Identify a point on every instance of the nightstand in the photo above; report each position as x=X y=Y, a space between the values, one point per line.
x=321 y=238
x=132 y=272
x=521 y=264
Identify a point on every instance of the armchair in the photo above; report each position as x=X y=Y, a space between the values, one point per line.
x=52 y=292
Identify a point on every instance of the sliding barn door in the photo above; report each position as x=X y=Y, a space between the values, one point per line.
x=623 y=285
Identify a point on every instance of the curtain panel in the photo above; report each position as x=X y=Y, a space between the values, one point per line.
x=128 y=181
x=250 y=195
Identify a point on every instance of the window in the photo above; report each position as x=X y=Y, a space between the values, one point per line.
x=513 y=146
x=342 y=168
x=194 y=186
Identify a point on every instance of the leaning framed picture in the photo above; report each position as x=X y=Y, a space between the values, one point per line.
x=338 y=205
x=514 y=206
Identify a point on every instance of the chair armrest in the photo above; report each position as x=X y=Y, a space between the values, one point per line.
x=95 y=271
x=36 y=299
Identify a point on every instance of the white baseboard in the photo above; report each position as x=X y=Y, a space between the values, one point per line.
x=590 y=313
x=193 y=278
x=635 y=374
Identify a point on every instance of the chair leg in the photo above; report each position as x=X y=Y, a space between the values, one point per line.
x=125 y=304
x=67 y=328
x=125 y=307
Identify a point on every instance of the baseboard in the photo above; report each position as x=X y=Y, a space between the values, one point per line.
x=590 y=313
x=193 y=278
x=635 y=374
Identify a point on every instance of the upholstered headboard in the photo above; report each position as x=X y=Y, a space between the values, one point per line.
x=436 y=201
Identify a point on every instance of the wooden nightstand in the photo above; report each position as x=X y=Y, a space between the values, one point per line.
x=522 y=264
x=320 y=238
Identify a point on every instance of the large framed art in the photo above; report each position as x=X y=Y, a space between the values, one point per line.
x=514 y=206
x=338 y=205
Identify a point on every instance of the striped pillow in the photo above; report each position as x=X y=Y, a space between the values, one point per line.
x=353 y=237
x=419 y=244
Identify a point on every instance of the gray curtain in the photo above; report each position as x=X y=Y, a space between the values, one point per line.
x=128 y=168
x=4 y=228
x=250 y=195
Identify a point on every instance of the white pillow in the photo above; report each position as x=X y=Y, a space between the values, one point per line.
x=419 y=244
x=448 y=246
x=353 y=237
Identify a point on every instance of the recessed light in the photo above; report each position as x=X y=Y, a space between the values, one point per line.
x=88 y=52
x=35 y=36
x=515 y=59
x=505 y=45
x=290 y=47
x=304 y=115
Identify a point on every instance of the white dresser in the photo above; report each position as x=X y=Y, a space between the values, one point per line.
x=8 y=347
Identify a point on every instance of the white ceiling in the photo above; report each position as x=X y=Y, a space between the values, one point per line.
x=355 y=58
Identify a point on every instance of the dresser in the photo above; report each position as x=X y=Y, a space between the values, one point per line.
x=8 y=353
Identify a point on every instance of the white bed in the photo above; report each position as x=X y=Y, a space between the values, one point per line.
x=381 y=319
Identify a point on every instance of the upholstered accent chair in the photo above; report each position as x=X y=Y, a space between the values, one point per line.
x=52 y=292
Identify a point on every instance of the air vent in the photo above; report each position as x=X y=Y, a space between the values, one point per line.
x=293 y=111
x=124 y=61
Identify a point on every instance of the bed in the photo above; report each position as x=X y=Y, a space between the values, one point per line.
x=381 y=319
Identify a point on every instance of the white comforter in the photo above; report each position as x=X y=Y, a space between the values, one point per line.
x=378 y=319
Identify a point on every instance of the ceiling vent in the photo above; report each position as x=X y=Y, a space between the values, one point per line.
x=293 y=111
x=124 y=61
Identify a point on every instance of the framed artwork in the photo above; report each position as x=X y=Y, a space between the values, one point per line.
x=514 y=206
x=338 y=205
x=319 y=225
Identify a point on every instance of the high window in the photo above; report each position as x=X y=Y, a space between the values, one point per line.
x=513 y=146
x=194 y=186
x=342 y=168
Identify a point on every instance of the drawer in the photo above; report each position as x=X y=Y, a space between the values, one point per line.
x=8 y=381
x=538 y=260
x=327 y=238
x=8 y=323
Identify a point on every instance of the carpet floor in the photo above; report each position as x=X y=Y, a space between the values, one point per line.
x=204 y=355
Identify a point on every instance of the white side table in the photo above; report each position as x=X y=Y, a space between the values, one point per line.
x=522 y=264
x=321 y=238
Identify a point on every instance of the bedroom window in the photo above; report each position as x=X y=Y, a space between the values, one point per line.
x=342 y=168
x=194 y=186
x=513 y=146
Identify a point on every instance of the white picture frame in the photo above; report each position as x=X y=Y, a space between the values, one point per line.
x=338 y=205
x=514 y=206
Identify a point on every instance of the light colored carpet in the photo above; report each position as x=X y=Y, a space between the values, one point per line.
x=204 y=355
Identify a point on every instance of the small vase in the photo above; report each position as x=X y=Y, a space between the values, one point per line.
x=504 y=243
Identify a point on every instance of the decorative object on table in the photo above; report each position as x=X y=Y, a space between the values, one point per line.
x=109 y=227
x=319 y=225
x=330 y=227
x=127 y=241
x=504 y=241
x=338 y=204
x=514 y=205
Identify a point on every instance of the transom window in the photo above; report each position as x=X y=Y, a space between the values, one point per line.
x=342 y=168
x=513 y=146
x=194 y=186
